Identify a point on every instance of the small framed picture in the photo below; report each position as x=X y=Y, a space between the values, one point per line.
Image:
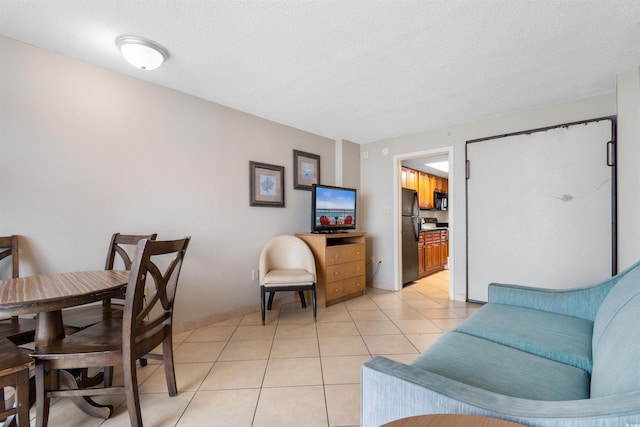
x=266 y=185
x=306 y=170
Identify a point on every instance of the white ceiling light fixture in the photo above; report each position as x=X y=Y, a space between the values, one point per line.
x=142 y=53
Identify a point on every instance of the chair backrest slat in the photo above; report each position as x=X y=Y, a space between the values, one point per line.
x=9 y=248
x=118 y=244
x=148 y=316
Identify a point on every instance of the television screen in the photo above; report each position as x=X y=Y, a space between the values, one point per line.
x=333 y=208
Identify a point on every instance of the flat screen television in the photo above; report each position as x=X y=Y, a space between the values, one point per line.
x=333 y=209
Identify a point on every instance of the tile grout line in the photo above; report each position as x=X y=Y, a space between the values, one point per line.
x=264 y=374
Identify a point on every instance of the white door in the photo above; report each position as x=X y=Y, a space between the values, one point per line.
x=539 y=208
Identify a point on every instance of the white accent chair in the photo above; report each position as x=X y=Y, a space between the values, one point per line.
x=287 y=264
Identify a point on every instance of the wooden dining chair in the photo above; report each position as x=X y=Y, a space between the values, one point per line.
x=119 y=254
x=19 y=330
x=146 y=323
x=14 y=372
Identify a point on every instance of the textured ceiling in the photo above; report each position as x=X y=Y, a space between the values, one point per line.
x=356 y=70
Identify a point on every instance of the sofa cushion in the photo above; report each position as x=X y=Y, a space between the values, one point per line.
x=561 y=338
x=616 y=340
x=490 y=366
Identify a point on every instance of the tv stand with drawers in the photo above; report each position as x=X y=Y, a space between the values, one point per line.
x=340 y=265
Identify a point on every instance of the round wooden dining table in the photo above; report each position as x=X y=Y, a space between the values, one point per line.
x=46 y=295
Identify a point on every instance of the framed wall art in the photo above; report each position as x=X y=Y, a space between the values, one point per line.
x=266 y=185
x=306 y=170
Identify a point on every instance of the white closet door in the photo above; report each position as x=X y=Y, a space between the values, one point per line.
x=539 y=209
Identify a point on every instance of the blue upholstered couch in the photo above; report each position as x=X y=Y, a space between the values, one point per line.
x=534 y=356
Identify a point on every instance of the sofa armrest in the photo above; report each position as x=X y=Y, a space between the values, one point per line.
x=391 y=390
x=579 y=302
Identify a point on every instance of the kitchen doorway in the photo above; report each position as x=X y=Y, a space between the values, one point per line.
x=433 y=169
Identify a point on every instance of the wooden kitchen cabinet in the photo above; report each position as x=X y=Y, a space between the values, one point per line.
x=425 y=184
x=410 y=178
x=444 y=247
x=439 y=184
x=425 y=192
x=422 y=260
x=432 y=252
x=340 y=265
x=432 y=185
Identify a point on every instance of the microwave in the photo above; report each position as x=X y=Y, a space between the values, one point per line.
x=440 y=202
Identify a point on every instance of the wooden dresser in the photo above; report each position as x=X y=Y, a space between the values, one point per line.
x=340 y=265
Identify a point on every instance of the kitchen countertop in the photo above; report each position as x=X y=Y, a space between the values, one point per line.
x=433 y=228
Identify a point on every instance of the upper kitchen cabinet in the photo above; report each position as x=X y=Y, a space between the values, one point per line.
x=410 y=178
x=425 y=184
x=425 y=193
x=439 y=185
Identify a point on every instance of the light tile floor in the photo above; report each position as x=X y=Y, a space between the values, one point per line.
x=290 y=372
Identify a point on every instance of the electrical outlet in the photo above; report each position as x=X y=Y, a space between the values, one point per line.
x=254 y=274
x=380 y=260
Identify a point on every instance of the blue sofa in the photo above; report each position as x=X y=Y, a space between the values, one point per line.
x=534 y=356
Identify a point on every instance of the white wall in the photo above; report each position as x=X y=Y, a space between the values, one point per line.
x=85 y=152
x=350 y=153
x=628 y=167
x=378 y=186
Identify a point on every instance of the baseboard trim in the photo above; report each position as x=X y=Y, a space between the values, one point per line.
x=221 y=317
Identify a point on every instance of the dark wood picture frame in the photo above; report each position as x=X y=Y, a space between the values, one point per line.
x=306 y=170
x=266 y=185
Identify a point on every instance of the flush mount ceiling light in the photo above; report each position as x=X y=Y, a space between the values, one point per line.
x=142 y=53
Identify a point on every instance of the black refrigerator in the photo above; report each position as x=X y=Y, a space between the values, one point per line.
x=410 y=235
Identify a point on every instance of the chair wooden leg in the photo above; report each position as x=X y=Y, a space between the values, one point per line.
x=131 y=392
x=262 y=297
x=42 y=402
x=169 y=368
x=3 y=403
x=303 y=301
x=22 y=397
